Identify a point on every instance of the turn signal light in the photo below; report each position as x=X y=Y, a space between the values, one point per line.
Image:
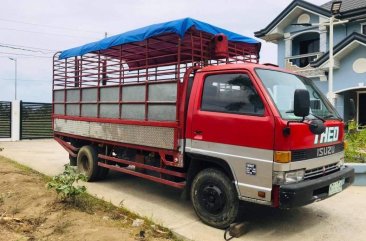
x=261 y=194
x=282 y=156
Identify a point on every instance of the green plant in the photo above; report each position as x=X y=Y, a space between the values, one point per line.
x=64 y=184
x=355 y=150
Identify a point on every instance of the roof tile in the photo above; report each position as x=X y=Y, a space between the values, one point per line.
x=347 y=5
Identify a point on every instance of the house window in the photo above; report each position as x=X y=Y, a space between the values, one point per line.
x=306 y=47
x=363 y=28
x=309 y=46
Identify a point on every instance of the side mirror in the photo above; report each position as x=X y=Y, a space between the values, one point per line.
x=352 y=109
x=301 y=103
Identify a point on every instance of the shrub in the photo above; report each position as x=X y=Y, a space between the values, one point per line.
x=356 y=143
x=64 y=184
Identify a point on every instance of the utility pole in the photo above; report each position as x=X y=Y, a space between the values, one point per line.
x=330 y=94
x=15 y=75
x=335 y=10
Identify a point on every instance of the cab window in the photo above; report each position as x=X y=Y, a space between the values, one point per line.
x=231 y=93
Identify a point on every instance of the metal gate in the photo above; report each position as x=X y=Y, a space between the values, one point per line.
x=35 y=120
x=5 y=119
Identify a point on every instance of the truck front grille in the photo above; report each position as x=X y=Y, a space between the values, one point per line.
x=321 y=171
x=301 y=155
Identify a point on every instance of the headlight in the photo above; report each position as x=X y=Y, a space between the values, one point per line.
x=340 y=164
x=288 y=177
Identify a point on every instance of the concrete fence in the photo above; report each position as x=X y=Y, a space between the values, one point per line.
x=14 y=119
x=360 y=173
x=25 y=120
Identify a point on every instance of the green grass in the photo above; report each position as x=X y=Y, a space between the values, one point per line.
x=90 y=204
x=355 y=160
x=61 y=226
x=25 y=169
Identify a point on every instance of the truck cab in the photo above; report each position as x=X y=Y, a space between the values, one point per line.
x=247 y=115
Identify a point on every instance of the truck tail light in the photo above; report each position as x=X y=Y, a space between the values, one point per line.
x=282 y=156
x=276 y=196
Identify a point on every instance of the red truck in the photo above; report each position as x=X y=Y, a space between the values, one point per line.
x=186 y=104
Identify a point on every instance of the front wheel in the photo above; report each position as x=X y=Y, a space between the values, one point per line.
x=214 y=198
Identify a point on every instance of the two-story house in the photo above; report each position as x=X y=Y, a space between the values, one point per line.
x=302 y=35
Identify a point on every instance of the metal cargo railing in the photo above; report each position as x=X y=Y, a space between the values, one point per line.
x=136 y=81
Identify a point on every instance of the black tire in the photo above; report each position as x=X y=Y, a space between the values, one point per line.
x=73 y=161
x=103 y=172
x=87 y=162
x=214 y=198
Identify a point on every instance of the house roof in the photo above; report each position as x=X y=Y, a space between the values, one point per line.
x=287 y=10
x=351 y=10
x=354 y=14
x=347 y=5
x=354 y=37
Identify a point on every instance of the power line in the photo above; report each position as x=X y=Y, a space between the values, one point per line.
x=46 y=33
x=51 y=26
x=24 y=49
x=23 y=46
x=25 y=55
x=30 y=80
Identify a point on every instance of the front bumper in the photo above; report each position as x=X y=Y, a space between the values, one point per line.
x=303 y=193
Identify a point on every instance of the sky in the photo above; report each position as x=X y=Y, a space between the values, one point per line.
x=32 y=31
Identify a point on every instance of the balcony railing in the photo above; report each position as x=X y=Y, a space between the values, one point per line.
x=301 y=64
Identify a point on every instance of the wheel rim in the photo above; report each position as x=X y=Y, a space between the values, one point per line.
x=85 y=163
x=212 y=198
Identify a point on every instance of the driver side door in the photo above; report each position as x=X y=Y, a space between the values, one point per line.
x=230 y=121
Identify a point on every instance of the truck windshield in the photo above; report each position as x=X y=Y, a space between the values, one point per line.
x=281 y=87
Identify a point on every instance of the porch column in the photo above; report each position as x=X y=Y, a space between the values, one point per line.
x=323 y=39
x=288 y=45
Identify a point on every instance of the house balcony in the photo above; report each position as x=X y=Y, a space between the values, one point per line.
x=301 y=64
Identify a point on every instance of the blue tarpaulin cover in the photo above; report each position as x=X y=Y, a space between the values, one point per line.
x=179 y=27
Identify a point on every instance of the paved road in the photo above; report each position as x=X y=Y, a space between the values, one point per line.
x=342 y=217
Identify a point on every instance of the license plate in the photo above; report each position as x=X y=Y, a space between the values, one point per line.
x=335 y=187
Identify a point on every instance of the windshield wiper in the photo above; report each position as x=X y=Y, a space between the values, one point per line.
x=332 y=116
x=318 y=117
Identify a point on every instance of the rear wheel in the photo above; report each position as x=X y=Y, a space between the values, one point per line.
x=214 y=198
x=87 y=162
x=73 y=161
x=103 y=172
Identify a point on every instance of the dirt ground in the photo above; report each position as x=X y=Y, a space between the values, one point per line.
x=28 y=211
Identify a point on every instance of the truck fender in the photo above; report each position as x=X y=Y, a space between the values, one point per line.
x=199 y=162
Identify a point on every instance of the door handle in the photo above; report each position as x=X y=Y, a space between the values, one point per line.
x=198 y=132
